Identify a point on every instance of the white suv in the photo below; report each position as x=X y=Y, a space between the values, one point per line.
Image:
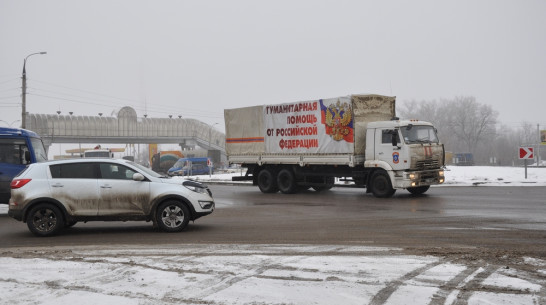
x=52 y=195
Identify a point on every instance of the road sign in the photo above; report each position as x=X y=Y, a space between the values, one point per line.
x=526 y=153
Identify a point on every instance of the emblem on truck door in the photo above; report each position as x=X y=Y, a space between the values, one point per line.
x=395 y=157
x=338 y=121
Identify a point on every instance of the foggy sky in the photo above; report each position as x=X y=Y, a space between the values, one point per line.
x=195 y=58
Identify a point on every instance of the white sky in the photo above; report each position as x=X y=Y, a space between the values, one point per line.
x=195 y=58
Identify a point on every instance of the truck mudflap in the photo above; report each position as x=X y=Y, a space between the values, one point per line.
x=411 y=179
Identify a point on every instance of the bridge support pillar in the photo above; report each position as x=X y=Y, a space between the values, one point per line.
x=188 y=144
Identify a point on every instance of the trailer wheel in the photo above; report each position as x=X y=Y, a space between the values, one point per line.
x=381 y=185
x=267 y=181
x=287 y=182
x=418 y=190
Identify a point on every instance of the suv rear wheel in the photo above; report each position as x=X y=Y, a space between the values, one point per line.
x=45 y=220
x=172 y=216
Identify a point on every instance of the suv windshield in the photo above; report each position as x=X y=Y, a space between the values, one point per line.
x=146 y=170
x=419 y=134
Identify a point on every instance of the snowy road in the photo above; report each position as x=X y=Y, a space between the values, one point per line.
x=261 y=274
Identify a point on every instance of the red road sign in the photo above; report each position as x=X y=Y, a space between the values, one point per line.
x=526 y=153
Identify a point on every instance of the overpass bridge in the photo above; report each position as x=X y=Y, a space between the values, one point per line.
x=126 y=128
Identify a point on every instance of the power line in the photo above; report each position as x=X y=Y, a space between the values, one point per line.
x=9 y=80
x=8 y=97
x=158 y=108
x=109 y=105
x=11 y=89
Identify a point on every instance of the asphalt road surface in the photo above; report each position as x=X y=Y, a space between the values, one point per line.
x=481 y=221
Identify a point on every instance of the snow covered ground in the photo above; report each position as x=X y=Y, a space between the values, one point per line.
x=258 y=274
x=273 y=274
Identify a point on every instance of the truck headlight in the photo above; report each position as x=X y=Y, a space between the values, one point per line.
x=441 y=173
x=413 y=176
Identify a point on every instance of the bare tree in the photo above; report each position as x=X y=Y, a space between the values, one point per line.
x=471 y=122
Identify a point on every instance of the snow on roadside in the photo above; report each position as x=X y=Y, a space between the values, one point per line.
x=254 y=274
x=495 y=176
x=455 y=176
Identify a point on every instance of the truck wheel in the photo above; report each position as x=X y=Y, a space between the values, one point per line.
x=418 y=190
x=287 y=182
x=45 y=220
x=172 y=216
x=267 y=181
x=381 y=185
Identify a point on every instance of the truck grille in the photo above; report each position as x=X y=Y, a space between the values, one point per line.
x=427 y=164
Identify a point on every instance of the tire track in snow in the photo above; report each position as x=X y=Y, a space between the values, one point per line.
x=469 y=285
x=383 y=295
x=440 y=297
x=232 y=280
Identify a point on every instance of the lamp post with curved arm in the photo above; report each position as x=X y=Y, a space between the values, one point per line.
x=24 y=95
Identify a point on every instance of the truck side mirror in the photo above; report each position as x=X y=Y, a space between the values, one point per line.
x=394 y=139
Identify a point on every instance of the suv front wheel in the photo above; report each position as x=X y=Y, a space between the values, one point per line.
x=45 y=220
x=172 y=216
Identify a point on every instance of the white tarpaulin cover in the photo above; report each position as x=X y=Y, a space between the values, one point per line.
x=324 y=126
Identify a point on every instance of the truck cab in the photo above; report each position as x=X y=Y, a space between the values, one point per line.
x=408 y=151
x=18 y=148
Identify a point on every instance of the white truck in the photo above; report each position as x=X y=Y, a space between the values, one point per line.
x=295 y=146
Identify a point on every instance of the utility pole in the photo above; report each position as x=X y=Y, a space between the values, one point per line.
x=24 y=95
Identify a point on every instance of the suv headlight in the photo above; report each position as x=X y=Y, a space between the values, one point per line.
x=196 y=187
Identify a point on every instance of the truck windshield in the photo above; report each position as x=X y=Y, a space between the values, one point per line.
x=419 y=134
x=39 y=149
x=96 y=154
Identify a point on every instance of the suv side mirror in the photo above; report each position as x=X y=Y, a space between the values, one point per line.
x=138 y=177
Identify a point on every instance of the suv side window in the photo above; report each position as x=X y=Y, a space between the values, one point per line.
x=116 y=171
x=74 y=171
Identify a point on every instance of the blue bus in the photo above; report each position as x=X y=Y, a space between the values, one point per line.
x=18 y=148
x=191 y=166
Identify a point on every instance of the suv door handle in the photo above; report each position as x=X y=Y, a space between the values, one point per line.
x=106 y=186
x=57 y=185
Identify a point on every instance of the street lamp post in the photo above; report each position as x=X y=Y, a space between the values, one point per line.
x=24 y=95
